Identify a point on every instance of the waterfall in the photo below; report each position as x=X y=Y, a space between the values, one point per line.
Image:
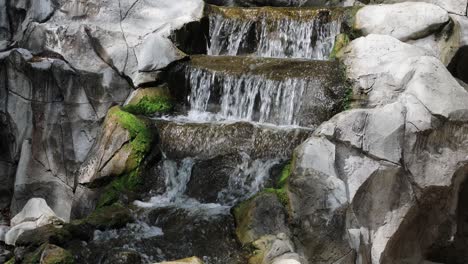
x=246 y=180
x=247 y=97
x=281 y=38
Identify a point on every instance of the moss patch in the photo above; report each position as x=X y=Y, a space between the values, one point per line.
x=341 y=41
x=56 y=255
x=149 y=105
x=141 y=139
x=347 y=101
x=11 y=261
x=110 y=217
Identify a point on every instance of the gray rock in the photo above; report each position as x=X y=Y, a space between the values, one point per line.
x=404 y=180
x=54 y=112
x=403 y=21
x=127 y=37
x=453 y=6
x=180 y=140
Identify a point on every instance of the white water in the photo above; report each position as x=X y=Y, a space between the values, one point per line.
x=246 y=97
x=245 y=181
x=283 y=38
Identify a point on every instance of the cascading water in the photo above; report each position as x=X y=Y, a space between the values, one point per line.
x=288 y=37
x=245 y=180
x=247 y=97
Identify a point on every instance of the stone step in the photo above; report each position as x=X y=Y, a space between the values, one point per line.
x=181 y=139
x=265 y=90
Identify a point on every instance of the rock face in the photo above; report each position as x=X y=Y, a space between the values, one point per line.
x=386 y=173
x=128 y=37
x=52 y=112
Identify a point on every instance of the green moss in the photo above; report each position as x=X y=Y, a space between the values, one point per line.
x=109 y=217
x=35 y=256
x=280 y=193
x=341 y=41
x=56 y=255
x=11 y=261
x=149 y=105
x=348 y=99
x=141 y=139
x=284 y=175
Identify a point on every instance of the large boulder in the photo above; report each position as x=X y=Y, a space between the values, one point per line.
x=458 y=7
x=395 y=169
x=36 y=213
x=403 y=21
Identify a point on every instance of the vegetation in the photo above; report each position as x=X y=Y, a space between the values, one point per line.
x=149 y=105
x=141 y=139
x=348 y=99
x=341 y=41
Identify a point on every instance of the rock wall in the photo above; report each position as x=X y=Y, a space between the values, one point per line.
x=384 y=181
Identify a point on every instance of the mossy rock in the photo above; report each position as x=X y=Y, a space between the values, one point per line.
x=56 y=255
x=48 y=254
x=149 y=101
x=110 y=217
x=45 y=234
x=192 y=260
x=11 y=261
x=141 y=140
x=261 y=215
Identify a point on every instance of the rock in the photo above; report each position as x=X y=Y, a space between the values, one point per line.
x=127 y=37
x=124 y=141
x=453 y=6
x=36 y=213
x=408 y=20
x=386 y=194
x=261 y=215
x=122 y=257
x=192 y=260
x=149 y=101
x=51 y=105
x=274 y=250
x=369 y=61
x=53 y=254
x=106 y=218
x=318 y=199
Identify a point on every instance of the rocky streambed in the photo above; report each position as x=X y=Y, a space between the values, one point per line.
x=272 y=132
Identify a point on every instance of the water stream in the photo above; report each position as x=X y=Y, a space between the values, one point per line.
x=279 y=38
x=246 y=97
x=246 y=180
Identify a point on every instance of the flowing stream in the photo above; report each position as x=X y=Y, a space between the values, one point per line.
x=247 y=97
x=280 y=38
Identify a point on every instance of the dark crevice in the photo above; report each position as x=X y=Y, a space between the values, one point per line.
x=458 y=65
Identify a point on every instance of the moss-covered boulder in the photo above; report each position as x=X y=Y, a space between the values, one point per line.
x=47 y=254
x=110 y=217
x=116 y=157
x=261 y=215
x=56 y=255
x=149 y=101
